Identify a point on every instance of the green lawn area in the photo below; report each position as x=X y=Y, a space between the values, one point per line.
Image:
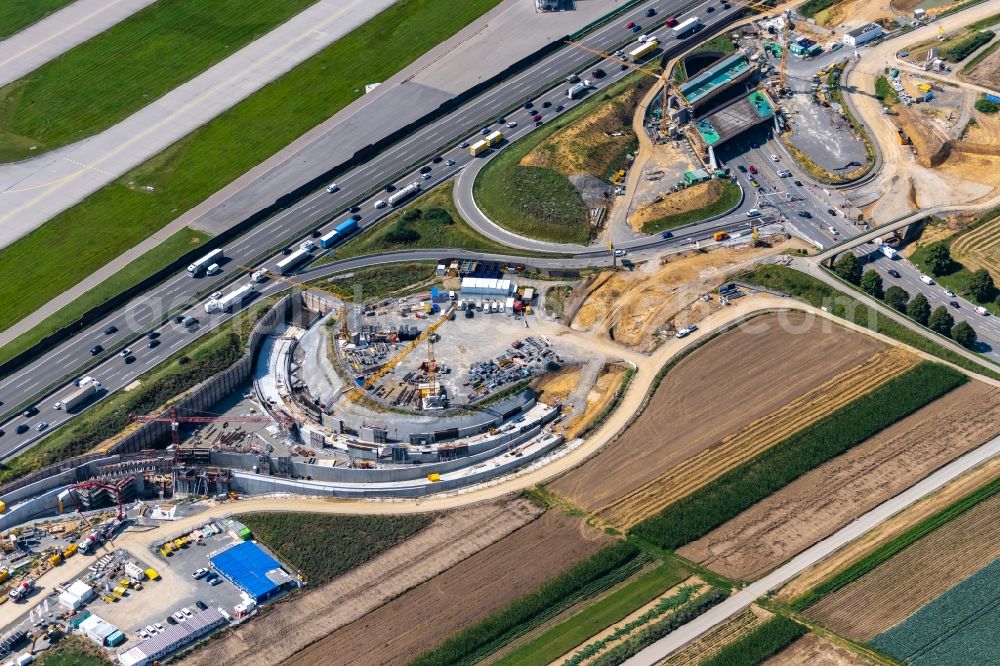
x=537 y=202
x=840 y=304
x=187 y=367
x=377 y=282
x=15 y=15
x=114 y=74
x=728 y=198
x=220 y=151
x=432 y=231
x=322 y=547
x=565 y=636
x=72 y=651
x=150 y=262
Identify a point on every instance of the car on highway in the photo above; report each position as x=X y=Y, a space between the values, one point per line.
x=598 y=73
x=950 y=293
x=894 y=273
x=153 y=344
x=96 y=349
x=380 y=203
x=742 y=168
x=316 y=233
x=438 y=159
x=753 y=169
x=671 y=22
x=784 y=173
x=449 y=162
x=464 y=144
x=29 y=412
x=425 y=169
x=528 y=104
x=559 y=107
x=620 y=253
x=484 y=131
x=774 y=158
x=285 y=251
x=332 y=187
x=798 y=182
x=536 y=117
x=512 y=124
x=666 y=234
x=392 y=188
x=42 y=425
x=953 y=304
x=426 y=176
x=125 y=352
x=651 y=12
x=832 y=212
x=623 y=67
x=216 y=295
x=833 y=231
x=980 y=310
x=726 y=5
x=630 y=25
x=709 y=9
x=546 y=105
x=110 y=329
x=926 y=279
x=21 y=429
x=806 y=214
x=753 y=212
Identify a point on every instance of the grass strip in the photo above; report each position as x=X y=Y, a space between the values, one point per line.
x=896 y=545
x=635 y=644
x=322 y=547
x=123 y=69
x=821 y=295
x=764 y=641
x=157 y=191
x=534 y=201
x=728 y=495
x=147 y=264
x=959 y=49
x=981 y=56
x=201 y=360
x=431 y=221
x=813 y=7
x=489 y=634
x=728 y=199
x=563 y=637
x=16 y=15
x=376 y=282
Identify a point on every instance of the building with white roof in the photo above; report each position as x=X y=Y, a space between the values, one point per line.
x=175 y=637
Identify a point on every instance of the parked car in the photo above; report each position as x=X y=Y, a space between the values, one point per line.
x=171 y=620
x=742 y=168
x=187 y=612
x=178 y=616
x=198 y=574
x=753 y=169
x=201 y=605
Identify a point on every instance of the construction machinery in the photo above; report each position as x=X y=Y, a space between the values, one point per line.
x=403 y=353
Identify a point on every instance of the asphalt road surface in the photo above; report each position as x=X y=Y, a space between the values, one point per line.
x=322 y=209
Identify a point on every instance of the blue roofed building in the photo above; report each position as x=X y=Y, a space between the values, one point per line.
x=247 y=566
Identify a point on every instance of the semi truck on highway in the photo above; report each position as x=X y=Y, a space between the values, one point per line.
x=686 y=26
x=643 y=50
x=85 y=392
x=288 y=264
x=404 y=194
x=200 y=266
x=341 y=231
x=238 y=297
x=493 y=138
x=478 y=148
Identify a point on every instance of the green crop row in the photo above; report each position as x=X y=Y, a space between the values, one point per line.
x=724 y=498
x=601 y=570
x=813 y=7
x=960 y=49
x=764 y=641
x=632 y=646
x=322 y=547
x=896 y=545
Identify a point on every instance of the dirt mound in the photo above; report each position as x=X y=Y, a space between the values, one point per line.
x=691 y=198
x=816 y=651
x=633 y=307
x=735 y=449
x=932 y=147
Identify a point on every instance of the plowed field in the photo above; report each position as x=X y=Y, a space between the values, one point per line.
x=980 y=248
x=720 y=388
x=459 y=597
x=835 y=493
x=815 y=651
x=650 y=498
x=717 y=638
x=895 y=589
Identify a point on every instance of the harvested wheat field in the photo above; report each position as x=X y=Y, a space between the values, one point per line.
x=835 y=493
x=719 y=637
x=633 y=307
x=464 y=594
x=895 y=589
x=719 y=388
x=443 y=544
x=980 y=248
x=652 y=497
x=816 y=651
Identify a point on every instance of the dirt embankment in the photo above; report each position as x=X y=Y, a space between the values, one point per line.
x=815 y=651
x=464 y=594
x=832 y=495
x=293 y=624
x=987 y=72
x=895 y=589
x=704 y=398
x=633 y=307
x=682 y=201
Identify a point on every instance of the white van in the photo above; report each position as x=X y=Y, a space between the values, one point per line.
x=213 y=269
x=753 y=212
x=926 y=279
x=643 y=38
x=380 y=203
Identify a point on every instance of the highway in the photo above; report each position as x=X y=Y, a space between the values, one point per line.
x=321 y=209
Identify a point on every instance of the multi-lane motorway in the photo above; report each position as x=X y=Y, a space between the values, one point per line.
x=182 y=293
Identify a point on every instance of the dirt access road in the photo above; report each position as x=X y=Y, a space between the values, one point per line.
x=835 y=493
x=464 y=594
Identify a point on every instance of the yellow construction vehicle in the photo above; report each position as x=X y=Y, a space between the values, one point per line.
x=394 y=361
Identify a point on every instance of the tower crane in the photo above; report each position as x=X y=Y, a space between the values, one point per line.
x=662 y=76
x=405 y=351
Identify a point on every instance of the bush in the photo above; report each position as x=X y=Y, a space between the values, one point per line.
x=961 y=48
x=632 y=646
x=813 y=7
x=766 y=640
x=848 y=267
x=984 y=105
x=919 y=309
x=322 y=547
x=438 y=216
x=938 y=259
x=981 y=285
x=402 y=234
x=897 y=298
x=941 y=321
x=468 y=645
x=884 y=91
x=725 y=497
x=964 y=334
x=871 y=283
